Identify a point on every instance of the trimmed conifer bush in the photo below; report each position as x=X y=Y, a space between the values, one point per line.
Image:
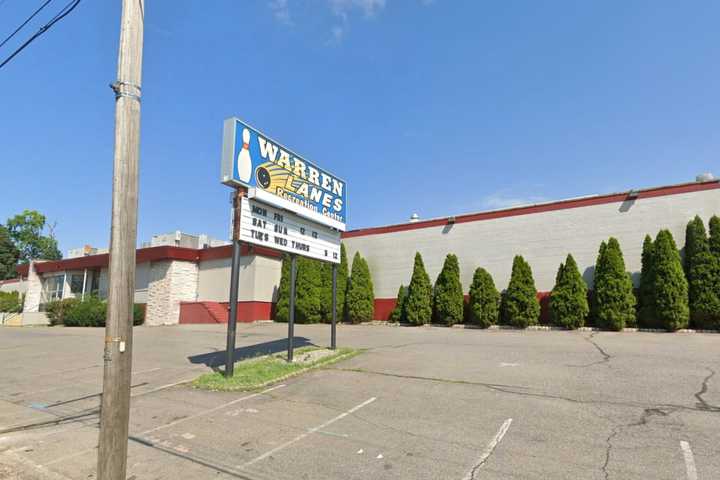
x=520 y=306
x=360 y=295
x=342 y=281
x=325 y=270
x=398 y=312
x=308 y=291
x=714 y=239
x=568 y=300
x=646 y=317
x=613 y=297
x=671 y=288
x=419 y=301
x=448 y=301
x=282 y=305
x=702 y=269
x=484 y=302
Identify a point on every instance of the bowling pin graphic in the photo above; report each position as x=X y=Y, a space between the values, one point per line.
x=244 y=162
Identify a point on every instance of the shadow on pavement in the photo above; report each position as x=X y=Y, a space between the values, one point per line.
x=216 y=359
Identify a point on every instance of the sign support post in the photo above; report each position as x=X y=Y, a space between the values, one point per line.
x=291 y=316
x=234 y=281
x=333 y=332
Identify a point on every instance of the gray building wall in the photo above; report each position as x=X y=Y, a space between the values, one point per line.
x=544 y=239
x=259 y=278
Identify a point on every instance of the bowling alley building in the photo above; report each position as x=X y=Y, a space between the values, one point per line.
x=189 y=284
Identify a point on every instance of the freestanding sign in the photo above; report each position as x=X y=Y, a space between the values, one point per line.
x=265 y=225
x=291 y=205
x=278 y=176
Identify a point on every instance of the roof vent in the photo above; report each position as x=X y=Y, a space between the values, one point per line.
x=705 y=177
x=414 y=218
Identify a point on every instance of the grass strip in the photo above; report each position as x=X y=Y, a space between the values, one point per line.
x=262 y=371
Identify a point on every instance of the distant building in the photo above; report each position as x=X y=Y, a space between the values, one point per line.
x=85 y=251
x=181 y=239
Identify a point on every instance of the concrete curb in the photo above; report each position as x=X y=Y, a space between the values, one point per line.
x=531 y=328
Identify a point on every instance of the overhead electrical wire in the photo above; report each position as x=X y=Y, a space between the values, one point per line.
x=65 y=11
x=25 y=22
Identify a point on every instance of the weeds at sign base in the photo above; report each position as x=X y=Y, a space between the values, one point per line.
x=261 y=371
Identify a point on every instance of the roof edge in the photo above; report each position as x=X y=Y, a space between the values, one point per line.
x=576 y=202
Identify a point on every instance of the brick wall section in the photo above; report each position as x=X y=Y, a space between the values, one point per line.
x=33 y=295
x=171 y=282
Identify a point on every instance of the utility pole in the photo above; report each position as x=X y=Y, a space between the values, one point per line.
x=115 y=406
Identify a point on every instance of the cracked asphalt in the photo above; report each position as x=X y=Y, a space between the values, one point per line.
x=420 y=403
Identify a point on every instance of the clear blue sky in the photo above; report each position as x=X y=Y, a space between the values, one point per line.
x=439 y=107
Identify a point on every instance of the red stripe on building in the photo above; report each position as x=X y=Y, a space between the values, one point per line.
x=217 y=312
x=151 y=254
x=385 y=306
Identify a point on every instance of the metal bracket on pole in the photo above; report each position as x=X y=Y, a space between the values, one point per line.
x=120 y=89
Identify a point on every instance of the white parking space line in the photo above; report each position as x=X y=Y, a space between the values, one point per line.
x=689 y=461
x=184 y=419
x=309 y=432
x=489 y=449
x=205 y=412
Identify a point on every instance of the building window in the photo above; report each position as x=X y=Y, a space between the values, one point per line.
x=95 y=283
x=76 y=283
x=54 y=287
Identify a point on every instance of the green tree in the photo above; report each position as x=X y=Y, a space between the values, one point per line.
x=282 y=306
x=342 y=281
x=484 y=302
x=671 y=287
x=398 y=312
x=715 y=236
x=419 y=301
x=308 y=291
x=325 y=270
x=8 y=255
x=26 y=231
x=448 y=300
x=360 y=294
x=702 y=269
x=520 y=306
x=326 y=290
x=568 y=300
x=613 y=298
x=646 y=292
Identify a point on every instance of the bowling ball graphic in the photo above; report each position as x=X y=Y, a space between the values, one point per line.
x=263 y=177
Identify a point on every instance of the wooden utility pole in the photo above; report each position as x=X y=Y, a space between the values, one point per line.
x=115 y=406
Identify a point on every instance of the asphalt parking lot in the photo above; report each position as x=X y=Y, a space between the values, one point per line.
x=420 y=403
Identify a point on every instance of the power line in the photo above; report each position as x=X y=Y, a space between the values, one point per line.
x=25 y=22
x=65 y=11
